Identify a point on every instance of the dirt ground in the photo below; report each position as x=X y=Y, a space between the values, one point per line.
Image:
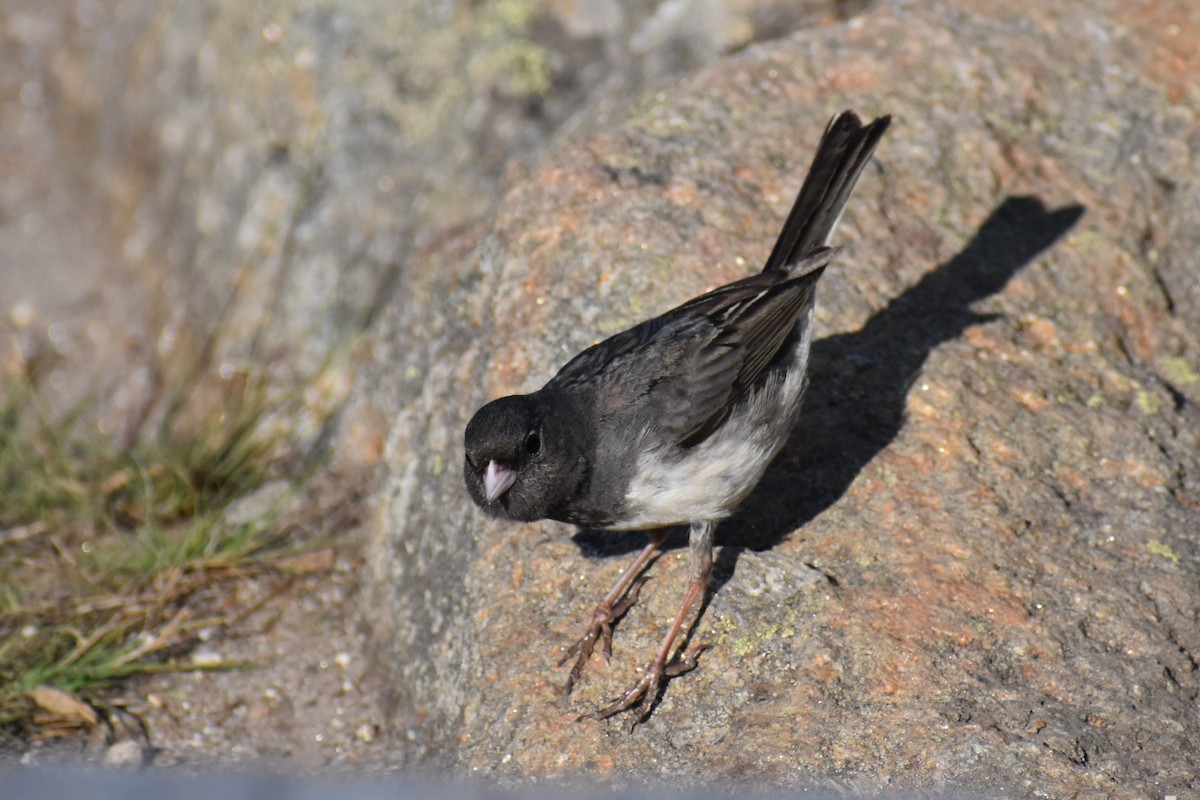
x=310 y=705
x=302 y=703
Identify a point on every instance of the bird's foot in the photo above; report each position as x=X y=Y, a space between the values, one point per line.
x=601 y=630
x=644 y=694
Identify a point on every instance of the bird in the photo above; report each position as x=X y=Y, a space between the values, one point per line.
x=673 y=421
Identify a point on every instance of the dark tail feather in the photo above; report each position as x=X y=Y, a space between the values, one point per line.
x=844 y=150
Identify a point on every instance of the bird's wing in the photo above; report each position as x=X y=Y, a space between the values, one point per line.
x=684 y=370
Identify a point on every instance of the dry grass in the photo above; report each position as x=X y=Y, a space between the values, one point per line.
x=117 y=560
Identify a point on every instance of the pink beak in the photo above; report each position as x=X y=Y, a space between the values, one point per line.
x=497 y=480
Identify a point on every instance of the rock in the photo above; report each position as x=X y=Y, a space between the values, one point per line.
x=126 y=753
x=974 y=566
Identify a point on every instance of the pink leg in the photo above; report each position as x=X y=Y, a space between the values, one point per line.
x=620 y=598
x=644 y=693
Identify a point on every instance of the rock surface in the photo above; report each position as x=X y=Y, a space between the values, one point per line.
x=975 y=564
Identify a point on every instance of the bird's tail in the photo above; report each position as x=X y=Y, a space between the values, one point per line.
x=844 y=150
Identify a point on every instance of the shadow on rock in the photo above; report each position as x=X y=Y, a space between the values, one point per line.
x=859 y=383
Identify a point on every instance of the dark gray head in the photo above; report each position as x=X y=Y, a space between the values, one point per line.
x=525 y=457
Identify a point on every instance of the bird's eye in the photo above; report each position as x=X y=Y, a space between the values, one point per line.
x=533 y=443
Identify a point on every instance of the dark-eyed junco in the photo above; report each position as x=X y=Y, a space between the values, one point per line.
x=674 y=420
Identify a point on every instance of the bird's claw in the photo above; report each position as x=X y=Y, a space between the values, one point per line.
x=645 y=692
x=601 y=630
x=642 y=696
x=686 y=662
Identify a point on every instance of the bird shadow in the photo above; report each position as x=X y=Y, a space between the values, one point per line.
x=855 y=403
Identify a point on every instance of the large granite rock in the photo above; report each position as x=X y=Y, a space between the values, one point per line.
x=976 y=563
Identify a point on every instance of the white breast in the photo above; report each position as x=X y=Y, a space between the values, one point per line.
x=677 y=486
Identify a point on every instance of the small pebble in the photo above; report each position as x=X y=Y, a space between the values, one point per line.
x=125 y=754
x=23 y=314
x=206 y=658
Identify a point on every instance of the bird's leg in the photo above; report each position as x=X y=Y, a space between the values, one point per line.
x=620 y=598
x=645 y=692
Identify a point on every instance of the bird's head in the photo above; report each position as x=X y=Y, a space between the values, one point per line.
x=523 y=458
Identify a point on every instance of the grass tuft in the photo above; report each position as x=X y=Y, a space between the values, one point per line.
x=117 y=560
